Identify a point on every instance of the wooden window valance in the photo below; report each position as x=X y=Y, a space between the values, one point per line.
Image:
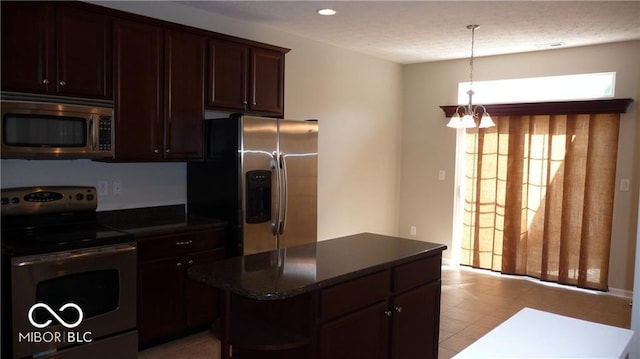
x=618 y=105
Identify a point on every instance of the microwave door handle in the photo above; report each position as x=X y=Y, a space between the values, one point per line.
x=92 y=134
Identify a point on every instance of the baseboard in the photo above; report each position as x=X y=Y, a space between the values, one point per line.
x=621 y=293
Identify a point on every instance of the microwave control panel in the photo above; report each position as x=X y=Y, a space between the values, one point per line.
x=105 y=135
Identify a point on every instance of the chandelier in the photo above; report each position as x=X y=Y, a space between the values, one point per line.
x=467 y=116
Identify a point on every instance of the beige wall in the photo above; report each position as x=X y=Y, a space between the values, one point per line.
x=428 y=146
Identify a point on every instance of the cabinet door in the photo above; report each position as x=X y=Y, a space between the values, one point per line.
x=184 y=114
x=267 y=81
x=202 y=300
x=362 y=334
x=138 y=70
x=160 y=298
x=228 y=75
x=416 y=323
x=84 y=58
x=27 y=46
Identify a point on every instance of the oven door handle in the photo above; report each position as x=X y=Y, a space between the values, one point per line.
x=75 y=254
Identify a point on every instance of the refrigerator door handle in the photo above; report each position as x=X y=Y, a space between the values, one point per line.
x=275 y=167
x=285 y=193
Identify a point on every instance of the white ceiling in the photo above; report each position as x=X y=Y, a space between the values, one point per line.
x=421 y=31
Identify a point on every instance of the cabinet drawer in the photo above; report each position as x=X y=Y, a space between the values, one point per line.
x=206 y=240
x=415 y=273
x=151 y=248
x=352 y=295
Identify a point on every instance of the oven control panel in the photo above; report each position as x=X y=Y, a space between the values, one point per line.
x=48 y=199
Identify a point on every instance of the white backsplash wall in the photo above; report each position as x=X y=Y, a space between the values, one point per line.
x=142 y=184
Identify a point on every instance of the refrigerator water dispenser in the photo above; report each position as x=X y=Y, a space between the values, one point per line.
x=258 y=196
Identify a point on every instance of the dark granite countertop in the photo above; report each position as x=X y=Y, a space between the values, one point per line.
x=284 y=273
x=155 y=220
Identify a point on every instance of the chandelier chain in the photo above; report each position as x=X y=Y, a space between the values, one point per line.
x=466 y=116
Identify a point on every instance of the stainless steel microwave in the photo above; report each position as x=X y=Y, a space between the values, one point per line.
x=32 y=130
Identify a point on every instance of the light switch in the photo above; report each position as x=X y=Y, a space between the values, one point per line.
x=624 y=185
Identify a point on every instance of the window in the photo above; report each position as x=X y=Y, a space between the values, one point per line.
x=538 y=89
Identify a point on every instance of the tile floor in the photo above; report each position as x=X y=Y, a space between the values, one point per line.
x=473 y=303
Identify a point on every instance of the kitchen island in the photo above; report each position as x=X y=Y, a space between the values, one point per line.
x=365 y=295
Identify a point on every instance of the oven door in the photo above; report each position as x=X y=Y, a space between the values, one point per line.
x=67 y=299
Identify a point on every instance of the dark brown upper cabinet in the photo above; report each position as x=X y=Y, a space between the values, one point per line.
x=184 y=95
x=55 y=49
x=159 y=92
x=139 y=92
x=245 y=78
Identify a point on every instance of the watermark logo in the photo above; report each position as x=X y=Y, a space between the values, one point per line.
x=55 y=315
x=55 y=336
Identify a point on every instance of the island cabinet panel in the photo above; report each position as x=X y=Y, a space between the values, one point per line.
x=358 y=293
x=393 y=315
x=245 y=78
x=418 y=272
x=159 y=92
x=416 y=318
x=362 y=334
x=56 y=49
x=169 y=304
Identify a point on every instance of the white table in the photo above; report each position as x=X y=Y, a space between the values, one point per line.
x=533 y=333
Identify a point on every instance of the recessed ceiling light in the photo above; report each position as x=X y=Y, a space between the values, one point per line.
x=327 y=12
x=550 y=45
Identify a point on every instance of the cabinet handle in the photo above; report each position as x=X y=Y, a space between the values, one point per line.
x=388 y=313
x=184 y=243
x=190 y=261
x=45 y=81
x=156 y=151
x=179 y=265
x=399 y=309
x=168 y=150
x=63 y=83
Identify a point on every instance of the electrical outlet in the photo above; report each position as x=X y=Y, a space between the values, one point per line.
x=103 y=188
x=117 y=188
x=441 y=175
x=413 y=230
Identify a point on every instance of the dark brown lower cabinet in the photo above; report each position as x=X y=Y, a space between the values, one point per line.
x=401 y=322
x=410 y=324
x=362 y=334
x=169 y=303
x=415 y=323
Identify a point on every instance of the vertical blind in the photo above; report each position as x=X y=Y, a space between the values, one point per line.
x=539 y=197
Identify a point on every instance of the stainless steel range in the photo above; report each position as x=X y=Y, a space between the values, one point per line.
x=68 y=283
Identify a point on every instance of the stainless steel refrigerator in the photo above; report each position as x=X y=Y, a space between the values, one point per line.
x=260 y=175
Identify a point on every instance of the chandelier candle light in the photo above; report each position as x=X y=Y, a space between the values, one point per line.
x=466 y=117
